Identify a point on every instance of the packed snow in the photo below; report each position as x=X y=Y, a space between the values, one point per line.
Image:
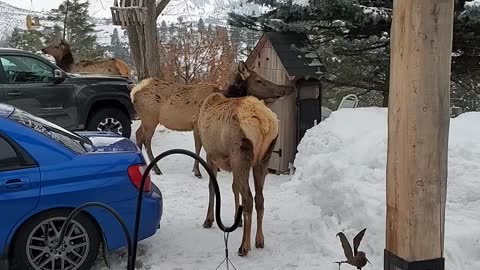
x=339 y=185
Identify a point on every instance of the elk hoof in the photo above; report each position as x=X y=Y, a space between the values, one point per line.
x=208 y=223
x=259 y=244
x=242 y=252
x=199 y=176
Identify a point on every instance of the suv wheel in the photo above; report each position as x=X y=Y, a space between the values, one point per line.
x=110 y=119
x=77 y=252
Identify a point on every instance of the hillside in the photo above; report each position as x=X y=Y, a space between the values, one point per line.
x=212 y=11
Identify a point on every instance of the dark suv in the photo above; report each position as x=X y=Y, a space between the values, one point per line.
x=75 y=102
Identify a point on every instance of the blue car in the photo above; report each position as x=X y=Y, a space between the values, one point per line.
x=45 y=172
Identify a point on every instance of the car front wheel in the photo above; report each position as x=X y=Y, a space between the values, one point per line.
x=78 y=251
x=110 y=119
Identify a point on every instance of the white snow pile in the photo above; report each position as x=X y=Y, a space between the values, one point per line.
x=341 y=176
x=474 y=3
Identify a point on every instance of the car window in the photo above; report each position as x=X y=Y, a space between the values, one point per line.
x=23 y=69
x=8 y=157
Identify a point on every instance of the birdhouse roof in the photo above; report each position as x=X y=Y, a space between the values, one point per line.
x=293 y=50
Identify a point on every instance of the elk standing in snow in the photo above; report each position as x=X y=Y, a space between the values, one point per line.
x=237 y=130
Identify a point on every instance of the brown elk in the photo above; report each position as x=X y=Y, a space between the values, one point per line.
x=64 y=59
x=237 y=130
x=173 y=105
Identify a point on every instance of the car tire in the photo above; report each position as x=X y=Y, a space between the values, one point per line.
x=110 y=119
x=82 y=248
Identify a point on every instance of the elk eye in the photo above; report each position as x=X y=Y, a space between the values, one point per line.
x=259 y=81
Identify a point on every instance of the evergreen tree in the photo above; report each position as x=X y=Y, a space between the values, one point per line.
x=80 y=33
x=236 y=37
x=163 y=31
x=352 y=37
x=201 y=26
x=118 y=48
x=172 y=30
x=27 y=40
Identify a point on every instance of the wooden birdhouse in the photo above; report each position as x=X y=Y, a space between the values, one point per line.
x=33 y=22
x=277 y=58
x=129 y=12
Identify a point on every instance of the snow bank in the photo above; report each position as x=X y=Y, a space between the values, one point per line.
x=341 y=174
x=474 y=3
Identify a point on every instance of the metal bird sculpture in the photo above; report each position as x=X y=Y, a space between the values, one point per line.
x=355 y=257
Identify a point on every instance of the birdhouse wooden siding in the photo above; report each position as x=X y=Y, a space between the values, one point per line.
x=266 y=61
x=129 y=12
x=268 y=65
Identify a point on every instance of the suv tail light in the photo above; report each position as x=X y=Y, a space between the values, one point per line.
x=135 y=172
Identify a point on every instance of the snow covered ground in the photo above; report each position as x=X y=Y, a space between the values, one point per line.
x=339 y=185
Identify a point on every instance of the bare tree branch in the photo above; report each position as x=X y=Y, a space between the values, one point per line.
x=161 y=5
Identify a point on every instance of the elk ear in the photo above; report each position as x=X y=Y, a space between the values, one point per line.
x=243 y=70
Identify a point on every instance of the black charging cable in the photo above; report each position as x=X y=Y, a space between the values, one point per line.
x=132 y=245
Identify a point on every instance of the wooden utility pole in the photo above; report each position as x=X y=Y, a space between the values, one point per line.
x=418 y=123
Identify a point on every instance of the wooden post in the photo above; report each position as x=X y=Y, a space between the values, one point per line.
x=418 y=123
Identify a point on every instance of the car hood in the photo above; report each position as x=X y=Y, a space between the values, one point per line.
x=109 y=142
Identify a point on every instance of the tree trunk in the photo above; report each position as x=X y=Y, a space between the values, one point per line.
x=152 y=54
x=143 y=40
x=136 y=50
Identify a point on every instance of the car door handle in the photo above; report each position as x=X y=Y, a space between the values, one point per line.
x=14 y=183
x=15 y=93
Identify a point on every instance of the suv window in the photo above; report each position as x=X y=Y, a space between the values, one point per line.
x=23 y=69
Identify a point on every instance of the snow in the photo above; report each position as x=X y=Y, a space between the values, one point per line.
x=301 y=2
x=339 y=185
x=474 y=3
x=341 y=170
x=182 y=242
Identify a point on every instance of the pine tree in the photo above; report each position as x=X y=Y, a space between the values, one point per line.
x=115 y=42
x=201 y=26
x=352 y=38
x=163 y=31
x=27 y=40
x=118 y=48
x=80 y=33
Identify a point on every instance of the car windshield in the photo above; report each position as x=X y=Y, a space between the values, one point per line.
x=69 y=139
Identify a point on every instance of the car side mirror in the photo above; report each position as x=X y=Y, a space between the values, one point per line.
x=59 y=76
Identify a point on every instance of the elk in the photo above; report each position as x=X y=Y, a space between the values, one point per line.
x=237 y=130
x=173 y=105
x=64 y=59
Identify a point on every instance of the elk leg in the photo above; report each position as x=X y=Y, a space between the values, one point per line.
x=259 y=173
x=148 y=133
x=198 y=147
x=241 y=163
x=236 y=194
x=210 y=217
x=242 y=177
x=139 y=137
